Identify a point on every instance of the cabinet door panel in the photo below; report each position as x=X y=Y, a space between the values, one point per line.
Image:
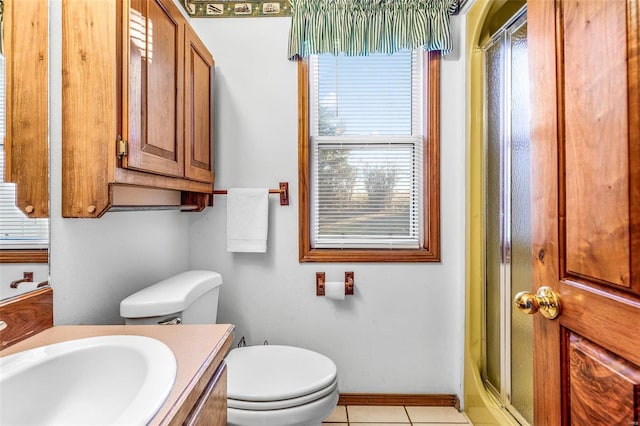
x=156 y=72
x=27 y=125
x=199 y=69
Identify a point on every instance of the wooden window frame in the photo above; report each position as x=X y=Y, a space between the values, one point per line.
x=430 y=252
x=24 y=256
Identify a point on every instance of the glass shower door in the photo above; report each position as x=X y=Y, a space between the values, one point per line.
x=508 y=264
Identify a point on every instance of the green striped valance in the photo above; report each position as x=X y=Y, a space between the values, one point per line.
x=360 y=27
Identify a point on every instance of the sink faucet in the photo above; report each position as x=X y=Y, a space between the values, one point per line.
x=27 y=278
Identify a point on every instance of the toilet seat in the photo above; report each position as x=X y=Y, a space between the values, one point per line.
x=273 y=377
x=285 y=403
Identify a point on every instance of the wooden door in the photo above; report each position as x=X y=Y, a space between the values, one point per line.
x=585 y=138
x=199 y=68
x=153 y=124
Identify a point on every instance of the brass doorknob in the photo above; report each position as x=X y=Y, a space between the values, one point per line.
x=545 y=300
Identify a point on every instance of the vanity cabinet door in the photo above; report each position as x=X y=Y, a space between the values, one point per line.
x=199 y=69
x=211 y=408
x=154 y=37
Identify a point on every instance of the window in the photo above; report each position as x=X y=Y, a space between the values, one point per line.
x=22 y=240
x=368 y=150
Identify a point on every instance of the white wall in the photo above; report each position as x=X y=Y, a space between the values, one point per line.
x=95 y=263
x=402 y=331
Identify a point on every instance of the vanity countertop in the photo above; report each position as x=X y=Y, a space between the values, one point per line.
x=197 y=348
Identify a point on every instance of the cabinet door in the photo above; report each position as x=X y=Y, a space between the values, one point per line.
x=27 y=125
x=199 y=69
x=153 y=105
x=211 y=408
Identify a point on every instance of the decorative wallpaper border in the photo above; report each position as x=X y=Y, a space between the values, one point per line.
x=236 y=9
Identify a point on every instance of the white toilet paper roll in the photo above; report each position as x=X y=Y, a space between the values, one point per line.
x=334 y=290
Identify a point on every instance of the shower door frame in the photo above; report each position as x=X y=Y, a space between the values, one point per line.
x=502 y=395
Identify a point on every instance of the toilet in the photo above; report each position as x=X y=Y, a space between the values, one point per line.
x=267 y=385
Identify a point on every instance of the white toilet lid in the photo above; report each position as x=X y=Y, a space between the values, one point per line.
x=266 y=373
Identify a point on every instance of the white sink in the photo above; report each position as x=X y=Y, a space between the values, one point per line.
x=106 y=380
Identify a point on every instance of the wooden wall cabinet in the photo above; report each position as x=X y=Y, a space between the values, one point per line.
x=137 y=101
x=26 y=45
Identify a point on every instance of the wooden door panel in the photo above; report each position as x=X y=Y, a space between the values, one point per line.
x=585 y=142
x=27 y=95
x=611 y=399
x=611 y=321
x=596 y=134
x=199 y=69
x=155 y=98
x=162 y=82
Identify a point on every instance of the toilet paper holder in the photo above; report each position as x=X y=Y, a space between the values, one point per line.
x=348 y=283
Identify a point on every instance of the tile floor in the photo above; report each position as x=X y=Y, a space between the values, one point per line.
x=361 y=415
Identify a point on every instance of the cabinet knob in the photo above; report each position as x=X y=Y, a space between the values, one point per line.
x=29 y=209
x=91 y=208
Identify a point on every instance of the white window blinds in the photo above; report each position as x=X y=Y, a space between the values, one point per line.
x=17 y=231
x=366 y=151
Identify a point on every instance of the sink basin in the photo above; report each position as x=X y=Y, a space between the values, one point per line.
x=105 y=380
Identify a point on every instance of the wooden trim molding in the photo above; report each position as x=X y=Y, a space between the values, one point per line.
x=430 y=252
x=430 y=400
x=24 y=256
x=26 y=315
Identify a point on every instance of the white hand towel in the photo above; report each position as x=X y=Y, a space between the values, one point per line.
x=247 y=219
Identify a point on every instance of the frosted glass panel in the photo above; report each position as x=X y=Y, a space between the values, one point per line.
x=521 y=264
x=508 y=257
x=494 y=96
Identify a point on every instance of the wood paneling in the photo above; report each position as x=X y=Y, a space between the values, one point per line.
x=26 y=315
x=610 y=399
x=26 y=44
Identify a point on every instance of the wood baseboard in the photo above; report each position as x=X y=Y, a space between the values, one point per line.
x=432 y=400
x=26 y=315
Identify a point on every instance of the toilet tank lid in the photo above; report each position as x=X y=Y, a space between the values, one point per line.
x=171 y=295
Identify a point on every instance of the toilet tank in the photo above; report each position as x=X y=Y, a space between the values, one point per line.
x=190 y=298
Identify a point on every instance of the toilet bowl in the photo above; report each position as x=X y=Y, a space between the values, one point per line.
x=279 y=385
x=267 y=385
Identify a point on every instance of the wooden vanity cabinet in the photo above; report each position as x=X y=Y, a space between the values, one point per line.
x=204 y=402
x=211 y=408
x=135 y=115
